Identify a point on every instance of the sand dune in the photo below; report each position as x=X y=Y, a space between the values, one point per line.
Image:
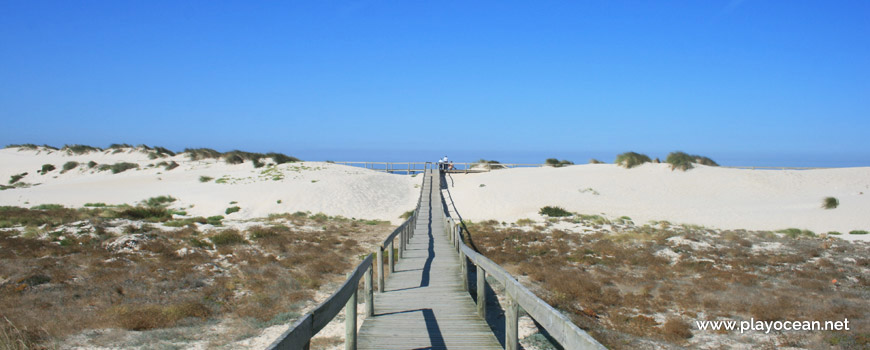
x=302 y=186
x=709 y=196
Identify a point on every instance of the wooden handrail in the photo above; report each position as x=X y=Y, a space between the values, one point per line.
x=299 y=335
x=560 y=327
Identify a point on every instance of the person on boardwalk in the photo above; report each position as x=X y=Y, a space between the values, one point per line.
x=444 y=163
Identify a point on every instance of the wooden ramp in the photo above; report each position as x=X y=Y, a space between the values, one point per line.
x=423 y=305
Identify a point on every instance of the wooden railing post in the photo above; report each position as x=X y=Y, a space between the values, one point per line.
x=370 y=297
x=390 y=259
x=463 y=268
x=481 y=292
x=402 y=241
x=511 y=324
x=350 y=320
x=380 y=258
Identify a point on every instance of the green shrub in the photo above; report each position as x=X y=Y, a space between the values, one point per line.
x=281 y=158
x=631 y=159
x=553 y=211
x=834 y=233
x=14 y=178
x=201 y=153
x=227 y=237
x=214 y=220
x=830 y=203
x=46 y=168
x=80 y=149
x=153 y=214
x=70 y=166
x=171 y=166
x=683 y=161
x=198 y=243
x=118 y=167
x=406 y=214
x=47 y=207
x=120 y=146
x=595 y=161
x=186 y=222
x=857 y=232
x=231 y=210
x=558 y=163
x=159 y=201
x=205 y=178
x=92 y=164
x=796 y=232
x=95 y=205
x=26 y=146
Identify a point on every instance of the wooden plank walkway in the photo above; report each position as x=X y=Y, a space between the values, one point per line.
x=424 y=305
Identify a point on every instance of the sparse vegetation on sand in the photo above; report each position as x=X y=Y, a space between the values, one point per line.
x=553 y=162
x=858 y=232
x=554 y=211
x=239 y=157
x=159 y=201
x=46 y=168
x=631 y=159
x=232 y=209
x=205 y=178
x=69 y=166
x=796 y=233
x=406 y=214
x=25 y=146
x=830 y=203
x=14 y=178
x=595 y=161
x=116 y=275
x=642 y=287
x=684 y=161
x=79 y=149
x=118 y=167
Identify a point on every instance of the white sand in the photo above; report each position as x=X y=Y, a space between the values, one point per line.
x=306 y=186
x=709 y=196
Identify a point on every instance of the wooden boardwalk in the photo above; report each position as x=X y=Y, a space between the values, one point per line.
x=424 y=305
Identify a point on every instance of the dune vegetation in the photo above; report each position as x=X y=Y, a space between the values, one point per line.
x=684 y=161
x=631 y=159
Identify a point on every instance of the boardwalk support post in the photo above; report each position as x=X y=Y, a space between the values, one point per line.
x=390 y=259
x=350 y=320
x=380 y=258
x=481 y=292
x=370 y=297
x=463 y=270
x=511 y=324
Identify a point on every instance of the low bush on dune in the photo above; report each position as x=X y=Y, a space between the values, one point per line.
x=205 y=178
x=160 y=152
x=25 y=146
x=858 y=232
x=152 y=214
x=406 y=214
x=631 y=159
x=796 y=232
x=595 y=161
x=14 y=178
x=46 y=207
x=69 y=166
x=553 y=162
x=215 y=220
x=116 y=146
x=118 y=167
x=553 y=211
x=80 y=149
x=830 y=203
x=46 y=168
x=231 y=210
x=227 y=237
x=159 y=201
x=281 y=158
x=201 y=153
x=92 y=164
x=684 y=161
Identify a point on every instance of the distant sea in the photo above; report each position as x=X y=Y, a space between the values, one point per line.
x=538 y=157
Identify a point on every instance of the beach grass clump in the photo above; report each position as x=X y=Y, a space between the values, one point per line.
x=186 y=222
x=92 y=164
x=232 y=209
x=281 y=158
x=201 y=153
x=553 y=162
x=830 y=203
x=46 y=168
x=797 y=233
x=151 y=214
x=205 y=178
x=69 y=166
x=159 y=152
x=406 y=214
x=14 y=178
x=80 y=149
x=595 y=161
x=554 y=211
x=25 y=146
x=215 y=220
x=118 y=167
x=684 y=161
x=858 y=232
x=117 y=146
x=631 y=159
x=227 y=237
x=159 y=201
x=171 y=165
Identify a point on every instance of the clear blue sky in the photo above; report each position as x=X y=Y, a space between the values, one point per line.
x=733 y=79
